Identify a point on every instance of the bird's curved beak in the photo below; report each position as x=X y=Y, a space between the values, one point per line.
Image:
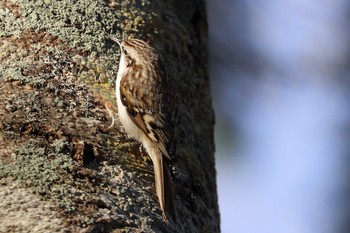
x=116 y=40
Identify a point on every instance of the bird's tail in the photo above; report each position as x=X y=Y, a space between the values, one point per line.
x=164 y=186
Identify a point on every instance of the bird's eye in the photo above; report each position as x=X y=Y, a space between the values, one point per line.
x=125 y=52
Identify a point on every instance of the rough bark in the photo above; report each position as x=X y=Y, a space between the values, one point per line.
x=61 y=168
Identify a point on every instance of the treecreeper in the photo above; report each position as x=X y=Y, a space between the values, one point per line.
x=148 y=111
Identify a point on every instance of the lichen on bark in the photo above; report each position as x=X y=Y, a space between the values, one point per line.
x=57 y=74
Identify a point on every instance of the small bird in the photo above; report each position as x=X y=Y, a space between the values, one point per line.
x=148 y=111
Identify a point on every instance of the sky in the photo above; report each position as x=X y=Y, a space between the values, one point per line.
x=277 y=69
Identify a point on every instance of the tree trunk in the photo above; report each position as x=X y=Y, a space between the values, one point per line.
x=62 y=169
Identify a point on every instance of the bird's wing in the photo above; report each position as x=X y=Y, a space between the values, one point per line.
x=151 y=107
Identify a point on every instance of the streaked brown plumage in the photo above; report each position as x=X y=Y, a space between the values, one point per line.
x=148 y=111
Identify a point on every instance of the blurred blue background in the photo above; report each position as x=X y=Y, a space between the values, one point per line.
x=280 y=81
